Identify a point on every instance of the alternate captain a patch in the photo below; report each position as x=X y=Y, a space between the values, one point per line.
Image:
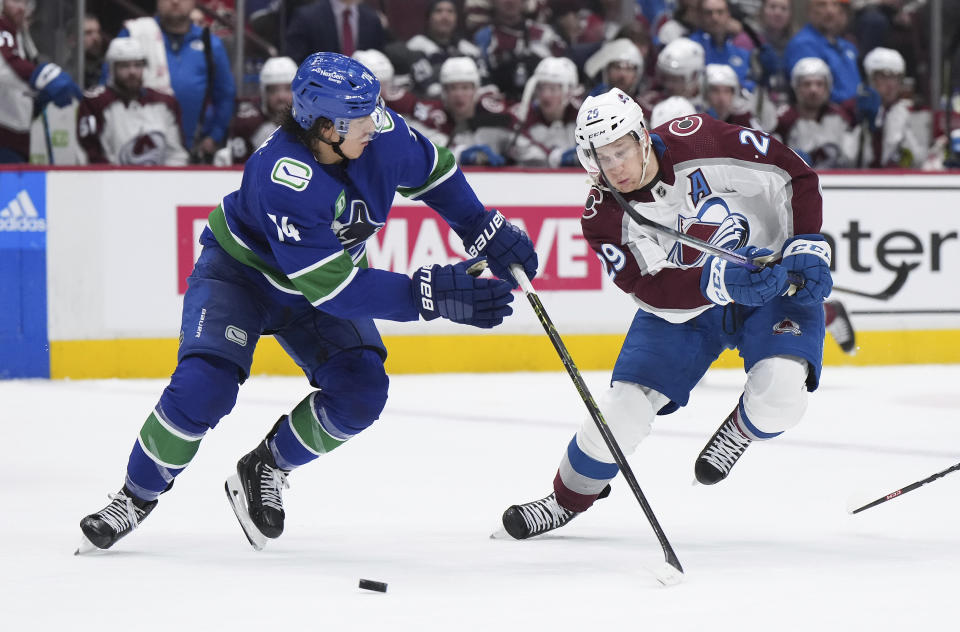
x=699 y=188
x=787 y=326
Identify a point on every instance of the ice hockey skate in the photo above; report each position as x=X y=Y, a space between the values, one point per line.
x=538 y=517
x=255 y=494
x=840 y=327
x=123 y=514
x=717 y=458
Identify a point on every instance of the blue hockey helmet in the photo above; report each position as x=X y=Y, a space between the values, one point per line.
x=336 y=87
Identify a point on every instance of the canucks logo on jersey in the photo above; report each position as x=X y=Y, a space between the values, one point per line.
x=715 y=224
x=354 y=227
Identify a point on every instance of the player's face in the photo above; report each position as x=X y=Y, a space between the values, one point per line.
x=812 y=92
x=128 y=75
x=279 y=97
x=622 y=162
x=720 y=99
x=675 y=85
x=461 y=98
x=887 y=85
x=358 y=137
x=552 y=99
x=622 y=75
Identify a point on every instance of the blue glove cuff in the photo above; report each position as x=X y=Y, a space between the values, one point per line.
x=43 y=75
x=814 y=245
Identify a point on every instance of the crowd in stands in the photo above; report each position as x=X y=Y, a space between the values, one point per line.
x=498 y=82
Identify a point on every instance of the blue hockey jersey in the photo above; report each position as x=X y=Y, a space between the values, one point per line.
x=303 y=225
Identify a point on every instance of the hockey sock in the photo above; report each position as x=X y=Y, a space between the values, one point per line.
x=747 y=428
x=581 y=478
x=163 y=449
x=202 y=390
x=306 y=433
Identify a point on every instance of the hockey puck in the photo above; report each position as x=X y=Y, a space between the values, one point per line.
x=369 y=584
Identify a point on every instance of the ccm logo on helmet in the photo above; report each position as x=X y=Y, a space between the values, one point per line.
x=685 y=126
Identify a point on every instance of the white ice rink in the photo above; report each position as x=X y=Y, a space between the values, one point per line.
x=413 y=500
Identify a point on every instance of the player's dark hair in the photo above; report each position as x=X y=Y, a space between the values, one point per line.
x=305 y=136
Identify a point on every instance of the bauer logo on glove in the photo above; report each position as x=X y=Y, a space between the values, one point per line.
x=502 y=244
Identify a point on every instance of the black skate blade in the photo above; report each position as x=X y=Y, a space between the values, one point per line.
x=238 y=502
x=86 y=546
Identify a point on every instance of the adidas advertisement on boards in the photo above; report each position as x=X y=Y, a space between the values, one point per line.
x=24 y=347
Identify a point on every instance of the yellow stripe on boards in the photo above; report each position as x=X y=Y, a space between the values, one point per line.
x=157 y=357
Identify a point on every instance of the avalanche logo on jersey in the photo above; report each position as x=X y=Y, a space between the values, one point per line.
x=787 y=326
x=355 y=227
x=714 y=224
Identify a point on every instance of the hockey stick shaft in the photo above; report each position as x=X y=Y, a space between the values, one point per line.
x=727 y=255
x=669 y=555
x=908 y=488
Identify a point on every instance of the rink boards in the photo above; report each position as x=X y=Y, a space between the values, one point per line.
x=119 y=244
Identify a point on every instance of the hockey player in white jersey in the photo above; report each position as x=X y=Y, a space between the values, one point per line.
x=737 y=189
x=126 y=123
x=549 y=114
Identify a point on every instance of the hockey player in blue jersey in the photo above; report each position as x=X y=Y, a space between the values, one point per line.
x=286 y=255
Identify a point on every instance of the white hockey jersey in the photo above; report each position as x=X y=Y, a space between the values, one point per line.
x=727 y=185
x=141 y=131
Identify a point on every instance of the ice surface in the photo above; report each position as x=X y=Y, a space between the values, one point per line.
x=413 y=500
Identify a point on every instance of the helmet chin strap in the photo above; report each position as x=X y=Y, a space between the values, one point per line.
x=335 y=146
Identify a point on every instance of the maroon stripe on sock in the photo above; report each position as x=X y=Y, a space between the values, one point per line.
x=571 y=500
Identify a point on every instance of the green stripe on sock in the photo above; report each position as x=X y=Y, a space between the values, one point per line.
x=308 y=428
x=166 y=447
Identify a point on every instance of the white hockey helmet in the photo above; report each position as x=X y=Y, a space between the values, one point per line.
x=277 y=70
x=125 y=49
x=605 y=118
x=811 y=67
x=378 y=64
x=669 y=109
x=560 y=70
x=620 y=50
x=459 y=70
x=682 y=57
x=122 y=49
x=721 y=75
x=884 y=60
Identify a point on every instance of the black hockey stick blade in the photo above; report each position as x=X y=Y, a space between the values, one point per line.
x=904 y=490
x=885 y=295
x=727 y=255
x=671 y=572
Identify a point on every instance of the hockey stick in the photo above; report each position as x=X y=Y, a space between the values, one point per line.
x=904 y=490
x=884 y=295
x=753 y=265
x=46 y=135
x=671 y=572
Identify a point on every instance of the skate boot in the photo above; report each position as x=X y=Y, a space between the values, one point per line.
x=537 y=517
x=124 y=514
x=724 y=448
x=255 y=494
x=840 y=327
